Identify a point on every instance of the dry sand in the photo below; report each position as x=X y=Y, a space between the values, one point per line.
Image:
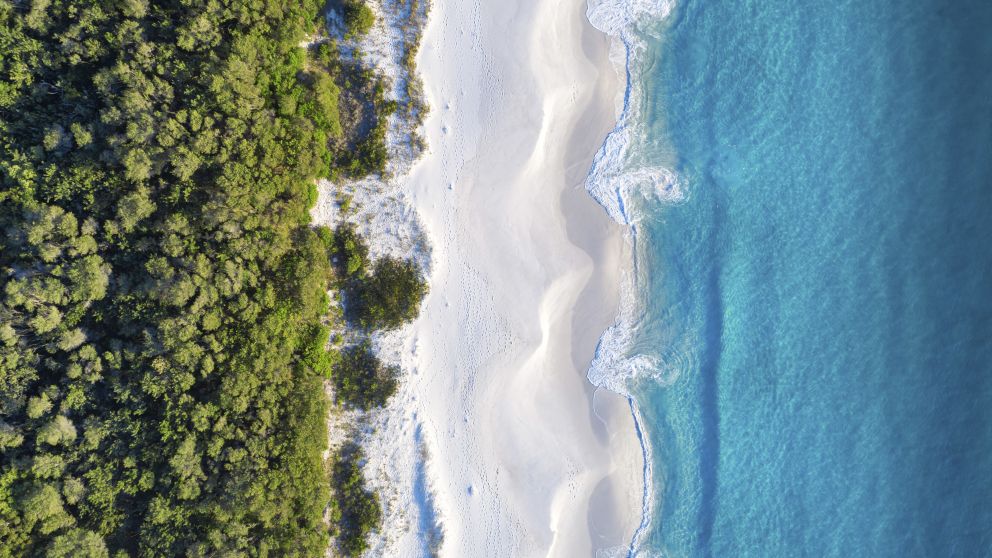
x=526 y=458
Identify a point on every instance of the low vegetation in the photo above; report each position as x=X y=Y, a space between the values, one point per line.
x=358 y=17
x=389 y=296
x=356 y=511
x=416 y=106
x=382 y=296
x=361 y=380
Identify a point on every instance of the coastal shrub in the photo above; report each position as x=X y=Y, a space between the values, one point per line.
x=370 y=153
x=358 y=17
x=326 y=115
x=355 y=508
x=362 y=110
x=349 y=252
x=361 y=380
x=389 y=296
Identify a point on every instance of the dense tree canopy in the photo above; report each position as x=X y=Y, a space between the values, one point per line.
x=161 y=292
x=162 y=295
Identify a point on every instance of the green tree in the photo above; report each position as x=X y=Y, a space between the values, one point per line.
x=42 y=509
x=38 y=406
x=9 y=436
x=391 y=295
x=349 y=252
x=357 y=507
x=57 y=432
x=361 y=379
x=358 y=17
x=77 y=543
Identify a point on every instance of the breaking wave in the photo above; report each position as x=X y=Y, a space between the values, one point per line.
x=615 y=181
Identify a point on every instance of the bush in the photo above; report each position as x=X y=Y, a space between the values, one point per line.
x=358 y=17
x=349 y=252
x=390 y=296
x=362 y=380
x=326 y=93
x=356 y=507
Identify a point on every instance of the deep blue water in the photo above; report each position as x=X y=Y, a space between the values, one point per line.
x=826 y=289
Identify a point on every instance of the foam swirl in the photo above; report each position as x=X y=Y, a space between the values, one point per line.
x=613 y=181
x=617 y=17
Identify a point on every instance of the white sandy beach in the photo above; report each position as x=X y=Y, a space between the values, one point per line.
x=525 y=458
x=496 y=444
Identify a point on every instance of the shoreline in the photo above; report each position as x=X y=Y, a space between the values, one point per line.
x=522 y=448
x=610 y=253
x=497 y=439
x=611 y=182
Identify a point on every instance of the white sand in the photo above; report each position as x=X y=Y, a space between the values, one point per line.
x=524 y=280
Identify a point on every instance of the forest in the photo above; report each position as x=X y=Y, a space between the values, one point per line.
x=164 y=297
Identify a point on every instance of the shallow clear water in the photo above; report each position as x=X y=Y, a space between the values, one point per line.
x=825 y=292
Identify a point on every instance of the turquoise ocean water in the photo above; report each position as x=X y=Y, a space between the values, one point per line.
x=821 y=299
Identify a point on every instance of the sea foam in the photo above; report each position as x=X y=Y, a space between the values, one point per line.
x=619 y=17
x=614 y=181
